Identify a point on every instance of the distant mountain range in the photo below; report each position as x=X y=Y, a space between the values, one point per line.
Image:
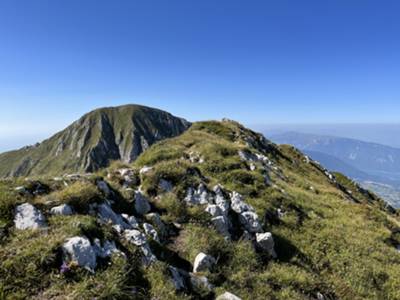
x=379 y=165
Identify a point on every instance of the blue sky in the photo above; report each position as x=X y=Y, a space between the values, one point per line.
x=259 y=62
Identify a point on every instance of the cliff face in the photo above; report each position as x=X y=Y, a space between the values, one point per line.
x=103 y=135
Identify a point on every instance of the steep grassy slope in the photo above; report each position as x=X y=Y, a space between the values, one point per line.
x=117 y=133
x=332 y=239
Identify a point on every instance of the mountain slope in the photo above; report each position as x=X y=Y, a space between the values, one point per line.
x=236 y=214
x=103 y=135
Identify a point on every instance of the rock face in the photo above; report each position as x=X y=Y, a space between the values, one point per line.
x=203 y=262
x=79 y=250
x=28 y=217
x=92 y=142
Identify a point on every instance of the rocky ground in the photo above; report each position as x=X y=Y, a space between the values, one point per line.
x=218 y=212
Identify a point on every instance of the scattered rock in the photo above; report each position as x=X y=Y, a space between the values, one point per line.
x=155 y=219
x=63 y=210
x=214 y=210
x=320 y=296
x=203 y=262
x=250 y=221
x=238 y=205
x=222 y=225
x=149 y=230
x=79 y=250
x=228 y=296
x=135 y=237
x=106 y=214
x=28 y=217
x=265 y=241
x=199 y=196
x=145 y=170
x=148 y=256
x=142 y=205
x=107 y=249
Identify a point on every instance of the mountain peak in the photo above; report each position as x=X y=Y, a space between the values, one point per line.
x=93 y=141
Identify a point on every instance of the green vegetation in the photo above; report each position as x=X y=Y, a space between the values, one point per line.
x=331 y=238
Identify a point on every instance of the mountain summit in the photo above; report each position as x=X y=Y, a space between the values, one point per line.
x=90 y=143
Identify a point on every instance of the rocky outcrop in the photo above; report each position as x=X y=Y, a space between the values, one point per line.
x=142 y=205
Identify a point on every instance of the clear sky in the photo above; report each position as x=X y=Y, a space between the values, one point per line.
x=259 y=62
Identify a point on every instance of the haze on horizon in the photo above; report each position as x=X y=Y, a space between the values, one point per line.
x=268 y=63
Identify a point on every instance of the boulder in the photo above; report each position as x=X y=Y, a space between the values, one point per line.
x=265 y=241
x=78 y=249
x=28 y=217
x=142 y=205
x=203 y=262
x=228 y=296
x=250 y=221
x=63 y=210
x=106 y=214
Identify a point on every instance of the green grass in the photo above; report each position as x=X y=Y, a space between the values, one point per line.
x=327 y=242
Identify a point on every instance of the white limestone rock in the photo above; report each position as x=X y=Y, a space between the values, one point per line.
x=203 y=262
x=145 y=170
x=131 y=220
x=155 y=219
x=199 y=196
x=228 y=296
x=135 y=237
x=28 y=217
x=142 y=205
x=150 y=231
x=79 y=250
x=250 y=221
x=238 y=205
x=266 y=242
x=62 y=210
x=214 y=210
